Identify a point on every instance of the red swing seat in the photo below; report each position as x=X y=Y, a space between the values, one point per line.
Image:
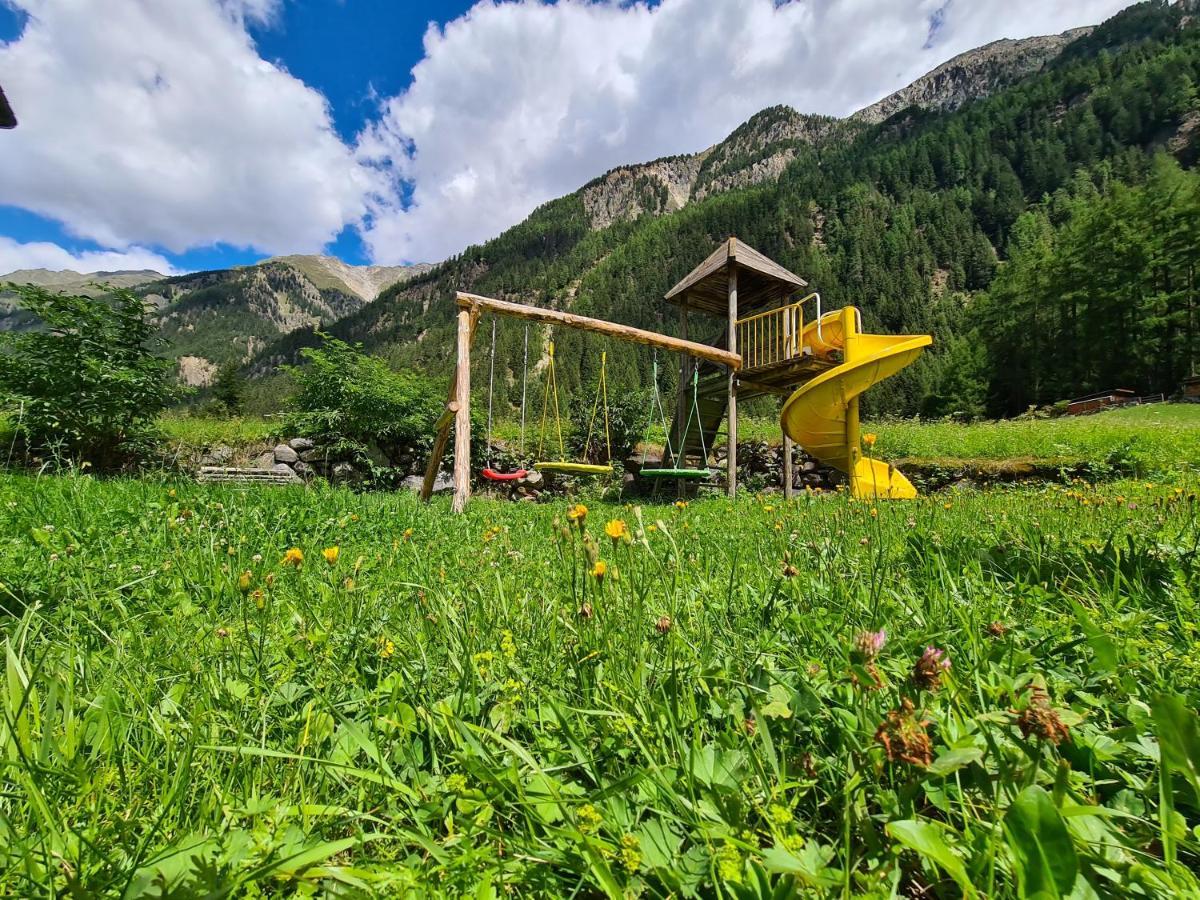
x=492 y=475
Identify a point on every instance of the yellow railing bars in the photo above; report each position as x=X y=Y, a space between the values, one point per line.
x=771 y=337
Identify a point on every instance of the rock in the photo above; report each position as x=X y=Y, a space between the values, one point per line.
x=300 y=467
x=808 y=466
x=300 y=444
x=533 y=478
x=343 y=471
x=376 y=455
x=219 y=455
x=285 y=454
x=441 y=485
x=265 y=460
x=284 y=469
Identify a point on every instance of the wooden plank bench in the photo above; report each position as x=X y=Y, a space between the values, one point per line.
x=236 y=475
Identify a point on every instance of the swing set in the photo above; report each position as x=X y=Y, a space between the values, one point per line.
x=457 y=413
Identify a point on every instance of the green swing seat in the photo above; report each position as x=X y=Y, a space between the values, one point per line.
x=675 y=472
x=693 y=474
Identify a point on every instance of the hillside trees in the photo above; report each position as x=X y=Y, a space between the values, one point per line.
x=1107 y=298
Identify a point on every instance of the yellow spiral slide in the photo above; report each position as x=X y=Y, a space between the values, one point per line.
x=822 y=415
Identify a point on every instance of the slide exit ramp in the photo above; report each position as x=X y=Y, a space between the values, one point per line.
x=822 y=415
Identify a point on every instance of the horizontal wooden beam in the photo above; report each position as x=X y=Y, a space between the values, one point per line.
x=600 y=326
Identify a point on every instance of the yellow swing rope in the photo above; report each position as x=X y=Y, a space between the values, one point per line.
x=551 y=390
x=601 y=391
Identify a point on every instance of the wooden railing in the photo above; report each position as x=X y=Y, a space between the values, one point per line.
x=771 y=337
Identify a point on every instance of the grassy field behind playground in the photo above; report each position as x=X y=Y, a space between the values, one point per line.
x=242 y=692
x=1151 y=439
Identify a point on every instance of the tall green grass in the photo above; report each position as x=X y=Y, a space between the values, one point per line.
x=453 y=706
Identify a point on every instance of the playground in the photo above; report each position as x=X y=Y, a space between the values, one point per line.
x=820 y=366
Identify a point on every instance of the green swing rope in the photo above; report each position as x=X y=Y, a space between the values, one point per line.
x=693 y=413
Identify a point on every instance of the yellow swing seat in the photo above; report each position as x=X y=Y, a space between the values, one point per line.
x=563 y=467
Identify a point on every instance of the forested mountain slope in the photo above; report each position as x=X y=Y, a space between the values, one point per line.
x=910 y=218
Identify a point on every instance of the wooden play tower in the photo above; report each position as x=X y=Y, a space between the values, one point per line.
x=760 y=316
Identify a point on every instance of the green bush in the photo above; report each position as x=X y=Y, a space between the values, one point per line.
x=346 y=396
x=626 y=424
x=84 y=385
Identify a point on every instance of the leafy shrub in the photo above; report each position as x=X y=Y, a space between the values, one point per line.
x=346 y=396
x=626 y=423
x=84 y=384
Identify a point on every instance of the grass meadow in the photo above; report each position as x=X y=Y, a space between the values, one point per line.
x=212 y=691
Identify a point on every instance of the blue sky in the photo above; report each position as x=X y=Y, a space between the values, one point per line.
x=196 y=134
x=353 y=51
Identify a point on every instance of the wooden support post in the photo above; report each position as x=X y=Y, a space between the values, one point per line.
x=462 y=415
x=731 y=460
x=440 y=439
x=788 y=476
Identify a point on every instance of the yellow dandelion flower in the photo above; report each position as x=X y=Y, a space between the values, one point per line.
x=870 y=438
x=294 y=557
x=681 y=504
x=616 y=529
x=408 y=533
x=387 y=647
x=577 y=513
x=331 y=554
x=599 y=570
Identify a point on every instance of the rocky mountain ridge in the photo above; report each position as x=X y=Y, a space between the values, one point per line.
x=972 y=75
x=209 y=318
x=759 y=150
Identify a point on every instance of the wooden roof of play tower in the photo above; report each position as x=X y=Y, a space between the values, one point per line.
x=761 y=281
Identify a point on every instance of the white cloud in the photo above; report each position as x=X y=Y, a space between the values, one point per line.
x=156 y=122
x=517 y=103
x=15 y=255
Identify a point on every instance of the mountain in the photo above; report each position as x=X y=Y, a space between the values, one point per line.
x=972 y=75
x=906 y=209
x=329 y=272
x=68 y=281
x=225 y=316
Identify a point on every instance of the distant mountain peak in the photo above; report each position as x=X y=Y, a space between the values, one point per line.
x=972 y=75
x=70 y=281
x=365 y=282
